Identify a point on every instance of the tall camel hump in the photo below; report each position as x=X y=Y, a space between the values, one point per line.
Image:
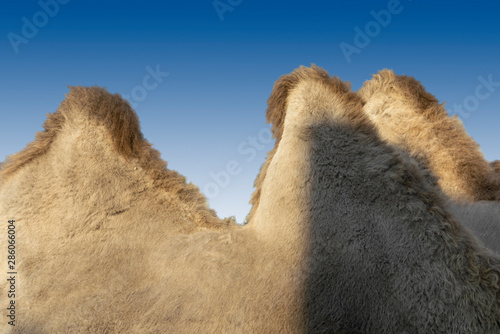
x=92 y=107
x=368 y=206
x=96 y=104
x=316 y=85
x=399 y=86
x=277 y=102
x=409 y=117
x=313 y=82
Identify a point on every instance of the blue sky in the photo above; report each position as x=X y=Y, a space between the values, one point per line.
x=206 y=116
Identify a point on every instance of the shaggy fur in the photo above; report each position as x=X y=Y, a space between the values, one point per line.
x=482 y=219
x=96 y=107
x=412 y=119
x=347 y=237
x=496 y=166
x=277 y=106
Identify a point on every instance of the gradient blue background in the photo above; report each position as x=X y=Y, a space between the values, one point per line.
x=222 y=71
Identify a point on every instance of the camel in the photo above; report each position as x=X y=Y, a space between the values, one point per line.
x=482 y=219
x=409 y=117
x=496 y=166
x=345 y=234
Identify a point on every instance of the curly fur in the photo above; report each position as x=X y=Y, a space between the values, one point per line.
x=411 y=118
x=347 y=237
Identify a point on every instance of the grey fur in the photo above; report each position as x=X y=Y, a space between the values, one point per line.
x=482 y=219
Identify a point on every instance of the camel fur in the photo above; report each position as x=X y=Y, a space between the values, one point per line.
x=496 y=166
x=482 y=219
x=345 y=234
x=407 y=116
x=413 y=119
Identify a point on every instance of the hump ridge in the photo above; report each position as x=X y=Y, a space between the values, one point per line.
x=404 y=87
x=413 y=119
x=94 y=103
x=289 y=87
x=122 y=124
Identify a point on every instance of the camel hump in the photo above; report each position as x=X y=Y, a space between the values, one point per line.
x=399 y=87
x=95 y=105
x=110 y=110
x=313 y=90
x=278 y=100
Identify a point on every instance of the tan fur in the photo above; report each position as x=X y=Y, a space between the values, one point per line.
x=411 y=118
x=102 y=232
x=98 y=107
x=346 y=236
x=496 y=166
x=277 y=105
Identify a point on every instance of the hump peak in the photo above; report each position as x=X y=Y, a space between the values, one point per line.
x=403 y=86
x=94 y=103
x=289 y=86
x=100 y=107
x=110 y=110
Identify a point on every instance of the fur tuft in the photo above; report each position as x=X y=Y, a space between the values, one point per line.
x=278 y=100
x=91 y=102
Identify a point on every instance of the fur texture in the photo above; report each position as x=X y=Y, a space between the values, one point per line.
x=347 y=236
x=412 y=119
x=496 y=166
x=85 y=108
x=482 y=219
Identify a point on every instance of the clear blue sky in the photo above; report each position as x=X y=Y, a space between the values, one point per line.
x=222 y=61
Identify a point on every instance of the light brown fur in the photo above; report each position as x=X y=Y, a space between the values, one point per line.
x=496 y=166
x=347 y=236
x=95 y=106
x=276 y=112
x=412 y=119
